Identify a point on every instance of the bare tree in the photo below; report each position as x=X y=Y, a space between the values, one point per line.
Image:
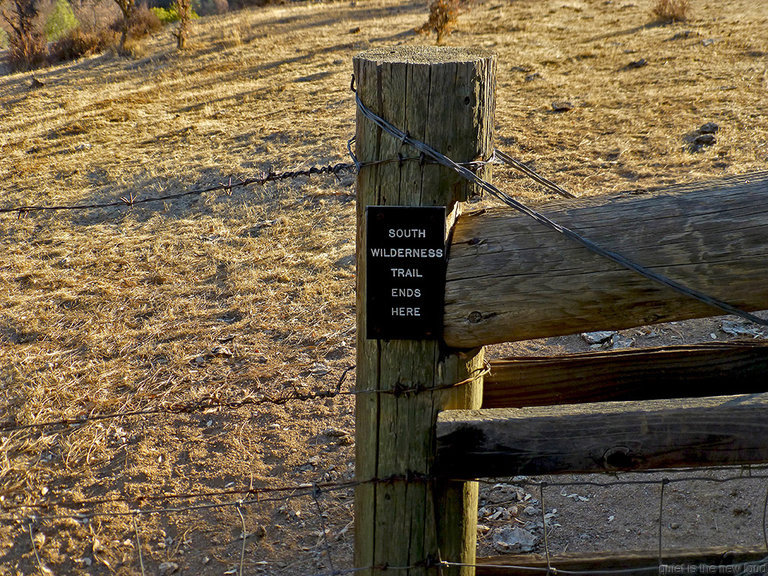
x=127 y=8
x=184 y=9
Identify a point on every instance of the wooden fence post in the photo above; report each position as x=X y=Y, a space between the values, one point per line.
x=444 y=97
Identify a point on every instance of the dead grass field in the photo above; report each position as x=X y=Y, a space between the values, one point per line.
x=230 y=297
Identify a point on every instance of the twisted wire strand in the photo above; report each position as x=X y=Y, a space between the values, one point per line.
x=467 y=174
x=131 y=200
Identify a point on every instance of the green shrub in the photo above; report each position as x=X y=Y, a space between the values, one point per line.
x=171 y=15
x=3 y=39
x=60 y=22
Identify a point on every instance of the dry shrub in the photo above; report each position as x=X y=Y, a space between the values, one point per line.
x=27 y=51
x=79 y=43
x=671 y=10
x=443 y=15
x=141 y=22
x=28 y=48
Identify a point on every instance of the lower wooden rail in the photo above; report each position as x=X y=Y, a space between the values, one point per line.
x=599 y=437
x=632 y=374
x=688 y=562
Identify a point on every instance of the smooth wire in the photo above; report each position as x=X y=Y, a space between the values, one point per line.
x=551 y=224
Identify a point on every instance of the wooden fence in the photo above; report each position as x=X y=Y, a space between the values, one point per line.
x=422 y=436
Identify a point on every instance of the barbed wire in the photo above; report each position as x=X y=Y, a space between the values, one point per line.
x=137 y=506
x=133 y=200
x=335 y=169
x=317 y=489
x=189 y=407
x=398 y=390
x=616 y=257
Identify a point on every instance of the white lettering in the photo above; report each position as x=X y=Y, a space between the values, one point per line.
x=406 y=312
x=406 y=273
x=407 y=252
x=407 y=233
x=406 y=293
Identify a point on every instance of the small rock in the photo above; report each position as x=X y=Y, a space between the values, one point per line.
x=636 y=64
x=701 y=137
x=738 y=329
x=532 y=77
x=319 y=369
x=345 y=261
x=708 y=42
x=704 y=140
x=513 y=539
x=343 y=438
x=222 y=352
x=601 y=337
x=563 y=106
x=619 y=343
x=36 y=83
x=167 y=568
x=674 y=526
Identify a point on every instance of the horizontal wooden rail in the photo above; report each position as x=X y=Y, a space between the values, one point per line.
x=510 y=278
x=632 y=374
x=683 y=561
x=599 y=437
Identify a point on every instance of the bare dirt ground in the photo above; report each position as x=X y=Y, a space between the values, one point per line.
x=227 y=298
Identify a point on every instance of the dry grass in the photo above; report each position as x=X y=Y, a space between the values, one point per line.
x=125 y=309
x=671 y=10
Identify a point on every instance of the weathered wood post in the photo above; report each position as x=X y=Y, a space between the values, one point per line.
x=403 y=517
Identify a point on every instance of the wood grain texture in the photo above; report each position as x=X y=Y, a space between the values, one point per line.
x=510 y=278
x=600 y=437
x=690 y=559
x=445 y=98
x=632 y=374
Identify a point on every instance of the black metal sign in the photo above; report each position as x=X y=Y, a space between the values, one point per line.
x=405 y=272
